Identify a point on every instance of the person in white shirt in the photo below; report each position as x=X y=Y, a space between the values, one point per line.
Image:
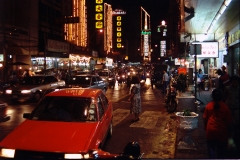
x=165 y=81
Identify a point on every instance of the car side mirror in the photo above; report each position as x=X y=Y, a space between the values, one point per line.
x=26 y=115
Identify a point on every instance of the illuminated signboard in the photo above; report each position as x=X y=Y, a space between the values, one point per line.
x=99 y=24
x=119 y=18
x=119 y=45
x=162 y=48
x=99 y=1
x=145 y=32
x=99 y=14
x=119 y=23
x=209 y=49
x=118 y=12
x=119 y=29
x=119 y=39
x=145 y=45
x=119 y=34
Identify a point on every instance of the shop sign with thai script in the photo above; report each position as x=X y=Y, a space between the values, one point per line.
x=99 y=14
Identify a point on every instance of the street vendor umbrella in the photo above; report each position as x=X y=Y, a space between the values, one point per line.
x=18 y=63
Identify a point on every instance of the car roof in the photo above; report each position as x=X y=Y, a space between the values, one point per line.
x=85 y=75
x=76 y=92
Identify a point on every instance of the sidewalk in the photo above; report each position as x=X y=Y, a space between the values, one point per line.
x=198 y=135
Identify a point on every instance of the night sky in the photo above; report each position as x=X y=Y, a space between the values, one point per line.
x=157 y=9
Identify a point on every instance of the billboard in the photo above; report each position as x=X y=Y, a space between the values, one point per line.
x=209 y=49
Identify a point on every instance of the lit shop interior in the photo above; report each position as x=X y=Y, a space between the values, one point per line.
x=74 y=62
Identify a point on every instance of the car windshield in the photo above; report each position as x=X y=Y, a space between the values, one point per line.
x=33 y=80
x=103 y=73
x=79 y=80
x=70 y=109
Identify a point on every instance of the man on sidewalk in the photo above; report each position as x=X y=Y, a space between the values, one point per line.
x=165 y=81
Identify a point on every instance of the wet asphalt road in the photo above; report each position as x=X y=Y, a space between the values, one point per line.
x=155 y=131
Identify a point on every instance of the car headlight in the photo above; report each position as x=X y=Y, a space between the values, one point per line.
x=26 y=91
x=7 y=153
x=8 y=91
x=123 y=76
x=76 y=156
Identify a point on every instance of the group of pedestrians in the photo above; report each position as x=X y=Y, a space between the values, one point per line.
x=221 y=117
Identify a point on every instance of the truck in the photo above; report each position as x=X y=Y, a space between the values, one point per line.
x=157 y=74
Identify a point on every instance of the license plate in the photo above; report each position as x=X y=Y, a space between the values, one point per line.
x=158 y=81
x=15 y=96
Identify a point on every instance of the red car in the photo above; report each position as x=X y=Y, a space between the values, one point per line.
x=65 y=124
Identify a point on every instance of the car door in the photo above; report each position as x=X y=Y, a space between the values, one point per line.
x=103 y=124
x=108 y=110
x=94 y=83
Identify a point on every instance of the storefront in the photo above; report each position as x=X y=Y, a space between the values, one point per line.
x=232 y=57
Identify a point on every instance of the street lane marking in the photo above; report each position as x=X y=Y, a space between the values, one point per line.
x=119 y=115
x=148 y=120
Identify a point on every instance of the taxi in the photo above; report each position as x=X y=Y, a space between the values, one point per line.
x=65 y=124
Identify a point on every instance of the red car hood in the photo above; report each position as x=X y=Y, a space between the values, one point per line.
x=51 y=136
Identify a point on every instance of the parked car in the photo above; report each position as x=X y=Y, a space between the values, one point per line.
x=3 y=113
x=34 y=87
x=3 y=87
x=64 y=124
x=86 y=81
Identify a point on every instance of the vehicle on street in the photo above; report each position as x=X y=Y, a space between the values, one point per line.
x=3 y=113
x=65 y=123
x=104 y=74
x=3 y=87
x=79 y=72
x=34 y=87
x=86 y=81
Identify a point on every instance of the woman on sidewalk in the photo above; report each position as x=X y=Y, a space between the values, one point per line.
x=135 y=98
x=217 y=120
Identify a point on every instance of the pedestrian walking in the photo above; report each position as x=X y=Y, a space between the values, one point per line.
x=165 y=81
x=135 y=98
x=224 y=79
x=200 y=79
x=217 y=120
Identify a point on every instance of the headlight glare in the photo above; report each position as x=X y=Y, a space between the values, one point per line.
x=7 y=153
x=73 y=156
x=8 y=91
x=26 y=91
